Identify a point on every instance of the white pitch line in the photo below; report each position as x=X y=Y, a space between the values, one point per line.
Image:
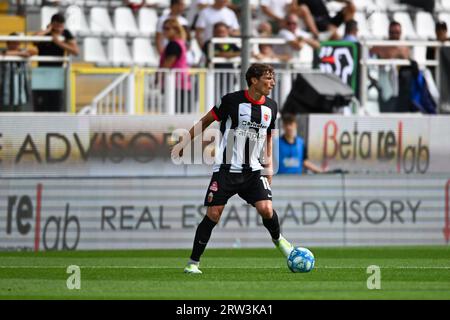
x=250 y=267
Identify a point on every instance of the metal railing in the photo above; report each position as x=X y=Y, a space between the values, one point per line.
x=253 y=41
x=66 y=60
x=159 y=91
x=116 y=98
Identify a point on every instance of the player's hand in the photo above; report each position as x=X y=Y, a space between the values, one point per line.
x=269 y=179
x=176 y=151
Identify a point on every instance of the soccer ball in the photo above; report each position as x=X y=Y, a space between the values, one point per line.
x=300 y=260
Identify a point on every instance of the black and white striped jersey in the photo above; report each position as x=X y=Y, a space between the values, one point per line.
x=244 y=125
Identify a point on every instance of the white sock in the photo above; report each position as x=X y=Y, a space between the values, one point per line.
x=197 y=263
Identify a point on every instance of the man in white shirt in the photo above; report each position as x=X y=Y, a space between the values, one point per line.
x=176 y=10
x=275 y=10
x=194 y=10
x=208 y=17
x=295 y=37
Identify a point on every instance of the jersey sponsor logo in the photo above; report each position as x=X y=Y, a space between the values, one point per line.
x=255 y=125
x=266 y=117
x=252 y=136
x=214 y=186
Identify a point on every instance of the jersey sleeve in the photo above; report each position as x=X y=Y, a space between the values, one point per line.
x=221 y=112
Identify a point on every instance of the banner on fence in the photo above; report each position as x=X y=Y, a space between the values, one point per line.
x=383 y=144
x=140 y=213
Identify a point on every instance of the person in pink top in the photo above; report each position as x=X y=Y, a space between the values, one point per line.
x=174 y=56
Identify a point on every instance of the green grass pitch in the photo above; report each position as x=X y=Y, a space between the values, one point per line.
x=340 y=273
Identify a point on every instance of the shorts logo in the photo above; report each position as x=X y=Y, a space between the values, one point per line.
x=210 y=197
x=214 y=186
x=266 y=117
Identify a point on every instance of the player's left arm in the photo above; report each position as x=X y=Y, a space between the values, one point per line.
x=268 y=166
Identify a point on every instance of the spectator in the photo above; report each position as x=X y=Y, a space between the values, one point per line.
x=52 y=100
x=266 y=52
x=274 y=11
x=222 y=50
x=292 y=153
x=14 y=78
x=218 y=12
x=392 y=52
x=195 y=8
x=176 y=10
x=295 y=37
x=223 y=80
x=324 y=23
x=388 y=77
x=441 y=35
x=351 y=31
x=174 y=56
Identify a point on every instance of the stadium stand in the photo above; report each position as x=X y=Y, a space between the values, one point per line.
x=104 y=19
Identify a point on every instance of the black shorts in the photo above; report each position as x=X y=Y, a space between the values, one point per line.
x=323 y=22
x=250 y=186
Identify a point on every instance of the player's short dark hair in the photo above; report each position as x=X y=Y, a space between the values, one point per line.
x=58 y=18
x=441 y=25
x=288 y=118
x=257 y=70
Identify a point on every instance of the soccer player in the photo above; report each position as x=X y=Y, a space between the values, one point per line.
x=246 y=119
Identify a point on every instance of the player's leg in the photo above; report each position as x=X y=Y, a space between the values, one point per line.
x=202 y=236
x=219 y=191
x=258 y=193
x=272 y=224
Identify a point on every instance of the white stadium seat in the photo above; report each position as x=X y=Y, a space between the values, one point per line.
x=118 y=53
x=425 y=25
x=445 y=17
x=445 y=4
x=408 y=31
x=379 y=24
x=365 y=5
x=147 y=18
x=124 y=22
x=76 y=21
x=419 y=53
x=93 y=51
x=363 y=27
x=46 y=15
x=100 y=22
x=381 y=5
x=144 y=53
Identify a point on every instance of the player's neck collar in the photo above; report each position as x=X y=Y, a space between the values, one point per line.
x=260 y=101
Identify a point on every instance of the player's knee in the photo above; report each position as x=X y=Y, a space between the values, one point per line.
x=214 y=214
x=265 y=211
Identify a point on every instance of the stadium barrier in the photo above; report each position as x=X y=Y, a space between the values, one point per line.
x=107 y=182
x=44 y=145
x=395 y=143
x=139 y=90
x=143 y=213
